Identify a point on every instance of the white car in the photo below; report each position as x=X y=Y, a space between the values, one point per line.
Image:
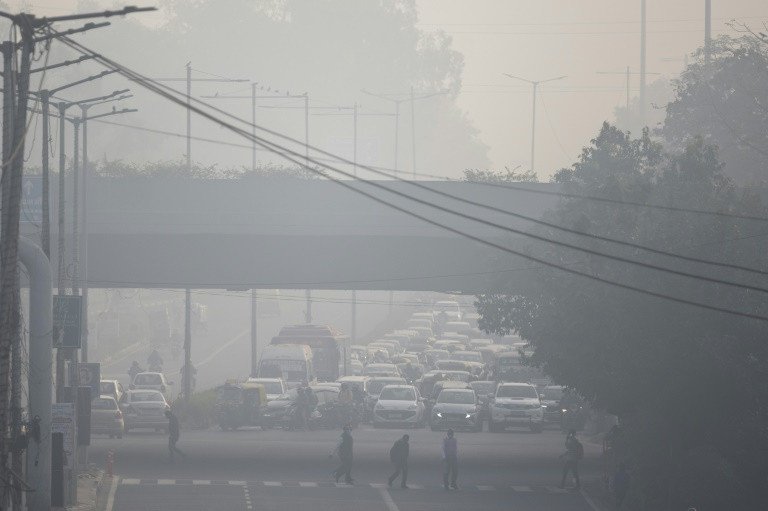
x=399 y=405
x=275 y=387
x=450 y=308
x=150 y=381
x=516 y=404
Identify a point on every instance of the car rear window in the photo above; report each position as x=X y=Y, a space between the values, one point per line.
x=107 y=387
x=101 y=403
x=138 y=397
x=148 y=379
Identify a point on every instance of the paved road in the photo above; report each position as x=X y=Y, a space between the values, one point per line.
x=265 y=470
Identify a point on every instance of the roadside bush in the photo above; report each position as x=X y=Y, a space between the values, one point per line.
x=200 y=412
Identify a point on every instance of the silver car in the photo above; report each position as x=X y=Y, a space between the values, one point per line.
x=456 y=408
x=145 y=409
x=106 y=417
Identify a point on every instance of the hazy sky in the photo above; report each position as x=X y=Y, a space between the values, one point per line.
x=539 y=39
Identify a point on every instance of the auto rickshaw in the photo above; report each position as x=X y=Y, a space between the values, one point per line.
x=240 y=404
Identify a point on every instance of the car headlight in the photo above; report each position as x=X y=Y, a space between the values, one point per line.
x=439 y=414
x=412 y=407
x=469 y=415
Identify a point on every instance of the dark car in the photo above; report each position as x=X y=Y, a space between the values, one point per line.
x=456 y=408
x=550 y=396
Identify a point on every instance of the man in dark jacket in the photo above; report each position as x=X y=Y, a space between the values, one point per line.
x=398 y=454
x=344 y=450
x=174 y=432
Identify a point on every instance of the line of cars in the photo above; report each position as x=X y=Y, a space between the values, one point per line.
x=117 y=411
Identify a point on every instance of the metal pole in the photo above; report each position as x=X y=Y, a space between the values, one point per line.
x=62 y=183
x=306 y=129
x=308 y=313
x=353 y=329
x=39 y=383
x=189 y=117
x=643 y=41
x=354 y=141
x=253 y=128
x=187 y=345
x=533 y=129
x=254 y=333
x=628 y=84
x=45 y=237
x=84 y=238
x=707 y=31
x=413 y=133
x=397 y=133
x=61 y=273
x=76 y=209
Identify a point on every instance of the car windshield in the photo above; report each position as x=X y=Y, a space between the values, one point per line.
x=519 y=391
x=273 y=387
x=551 y=393
x=484 y=388
x=102 y=403
x=397 y=394
x=148 y=379
x=468 y=357
x=290 y=370
x=375 y=387
x=461 y=397
x=140 y=397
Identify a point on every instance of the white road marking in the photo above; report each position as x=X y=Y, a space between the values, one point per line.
x=130 y=481
x=589 y=501
x=166 y=481
x=522 y=488
x=221 y=348
x=378 y=485
x=344 y=485
x=308 y=485
x=111 y=494
x=387 y=498
x=486 y=488
x=416 y=486
x=237 y=483
x=201 y=482
x=555 y=489
x=272 y=483
x=247 y=494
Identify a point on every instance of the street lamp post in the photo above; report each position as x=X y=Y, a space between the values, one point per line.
x=535 y=84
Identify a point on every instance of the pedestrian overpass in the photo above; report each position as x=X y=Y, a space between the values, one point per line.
x=291 y=234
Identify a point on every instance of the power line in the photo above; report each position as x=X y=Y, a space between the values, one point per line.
x=290 y=155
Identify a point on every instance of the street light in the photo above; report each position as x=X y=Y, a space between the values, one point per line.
x=535 y=84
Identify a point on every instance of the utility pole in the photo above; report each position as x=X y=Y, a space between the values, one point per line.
x=398 y=98
x=535 y=84
x=308 y=312
x=254 y=336
x=353 y=328
x=306 y=135
x=643 y=58
x=188 y=81
x=187 y=345
x=354 y=141
x=707 y=32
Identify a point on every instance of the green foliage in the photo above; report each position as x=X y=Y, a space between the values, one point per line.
x=507 y=176
x=200 y=413
x=683 y=380
x=726 y=104
x=178 y=168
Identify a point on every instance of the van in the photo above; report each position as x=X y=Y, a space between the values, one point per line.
x=291 y=362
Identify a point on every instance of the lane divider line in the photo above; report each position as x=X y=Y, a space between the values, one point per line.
x=387 y=498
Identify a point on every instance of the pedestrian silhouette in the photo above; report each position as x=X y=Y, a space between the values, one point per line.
x=398 y=454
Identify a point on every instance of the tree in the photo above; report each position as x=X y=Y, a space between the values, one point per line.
x=686 y=383
x=727 y=105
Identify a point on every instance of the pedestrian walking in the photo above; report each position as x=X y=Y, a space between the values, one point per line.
x=450 y=461
x=174 y=433
x=398 y=454
x=574 y=452
x=344 y=451
x=621 y=480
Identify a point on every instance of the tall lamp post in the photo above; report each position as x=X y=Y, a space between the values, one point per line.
x=535 y=84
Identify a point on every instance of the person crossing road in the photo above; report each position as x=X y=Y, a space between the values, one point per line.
x=450 y=461
x=398 y=454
